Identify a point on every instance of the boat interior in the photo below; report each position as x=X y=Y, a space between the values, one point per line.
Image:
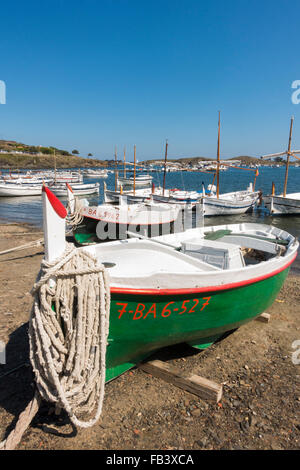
x=195 y=250
x=293 y=196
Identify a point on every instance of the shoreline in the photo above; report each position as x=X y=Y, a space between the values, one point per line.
x=4 y=221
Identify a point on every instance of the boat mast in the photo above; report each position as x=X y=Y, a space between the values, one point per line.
x=124 y=162
x=218 y=160
x=165 y=168
x=288 y=154
x=54 y=167
x=256 y=175
x=116 y=173
x=288 y=158
x=134 y=170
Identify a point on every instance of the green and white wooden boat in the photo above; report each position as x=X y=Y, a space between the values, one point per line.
x=189 y=287
x=110 y=222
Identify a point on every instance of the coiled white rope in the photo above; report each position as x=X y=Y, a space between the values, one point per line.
x=75 y=217
x=68 y=332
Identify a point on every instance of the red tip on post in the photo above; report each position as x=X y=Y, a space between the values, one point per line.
x=55 y=203
x=69 y=187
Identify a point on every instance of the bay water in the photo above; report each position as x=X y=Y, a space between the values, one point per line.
x=29 y=209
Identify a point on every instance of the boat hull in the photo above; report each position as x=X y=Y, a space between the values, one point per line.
x=279 y=205
x=114 y=197
x=142 y=324
x=96 y=175
x=77 y=192
x=138 y=182
x=86 y=232
x=214 y=206
x=187 y=201
x=21 y=190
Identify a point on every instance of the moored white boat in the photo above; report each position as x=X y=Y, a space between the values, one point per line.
x=15 y=190
x=138 y=181
x=110 y=222
x=90 y=173
x=233 y=203
x=236 y=202
x=27 y=189
x=283 y=205
x=139 y=195
x=78 y=189
x=155 y=194
x=177 y=196
x=68 y=178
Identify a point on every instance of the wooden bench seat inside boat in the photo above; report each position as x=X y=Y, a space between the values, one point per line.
x=218 y=253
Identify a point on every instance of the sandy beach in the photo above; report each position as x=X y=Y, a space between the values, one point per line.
x=261 y=395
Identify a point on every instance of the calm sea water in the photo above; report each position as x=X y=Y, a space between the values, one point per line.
x=29 y=209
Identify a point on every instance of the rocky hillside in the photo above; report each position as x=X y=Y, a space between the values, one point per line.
x=17 y=155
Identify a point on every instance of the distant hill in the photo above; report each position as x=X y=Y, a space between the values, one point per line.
x=245 y=160
x=18 y=155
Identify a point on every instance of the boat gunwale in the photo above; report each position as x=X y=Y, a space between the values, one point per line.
x=171 y=214
x=194 y=290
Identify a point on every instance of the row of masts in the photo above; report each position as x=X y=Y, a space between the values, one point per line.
x=289 y=153
x=134 y=168
x=216 y=174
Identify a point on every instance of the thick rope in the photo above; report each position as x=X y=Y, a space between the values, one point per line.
x=75 y=218
x=68 y=332
x=23 y=423
x=24 y=247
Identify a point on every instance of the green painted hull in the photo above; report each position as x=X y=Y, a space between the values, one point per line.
x=142 y=324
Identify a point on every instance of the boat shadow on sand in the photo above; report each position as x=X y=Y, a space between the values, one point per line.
x=17 y=383
x=17 y=388
x=183 y=350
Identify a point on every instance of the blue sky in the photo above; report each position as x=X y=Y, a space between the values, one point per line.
x=95 y=74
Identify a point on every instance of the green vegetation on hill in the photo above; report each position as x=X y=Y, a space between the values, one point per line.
x=32 y=156
x=12 y=146
x=47 y=161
